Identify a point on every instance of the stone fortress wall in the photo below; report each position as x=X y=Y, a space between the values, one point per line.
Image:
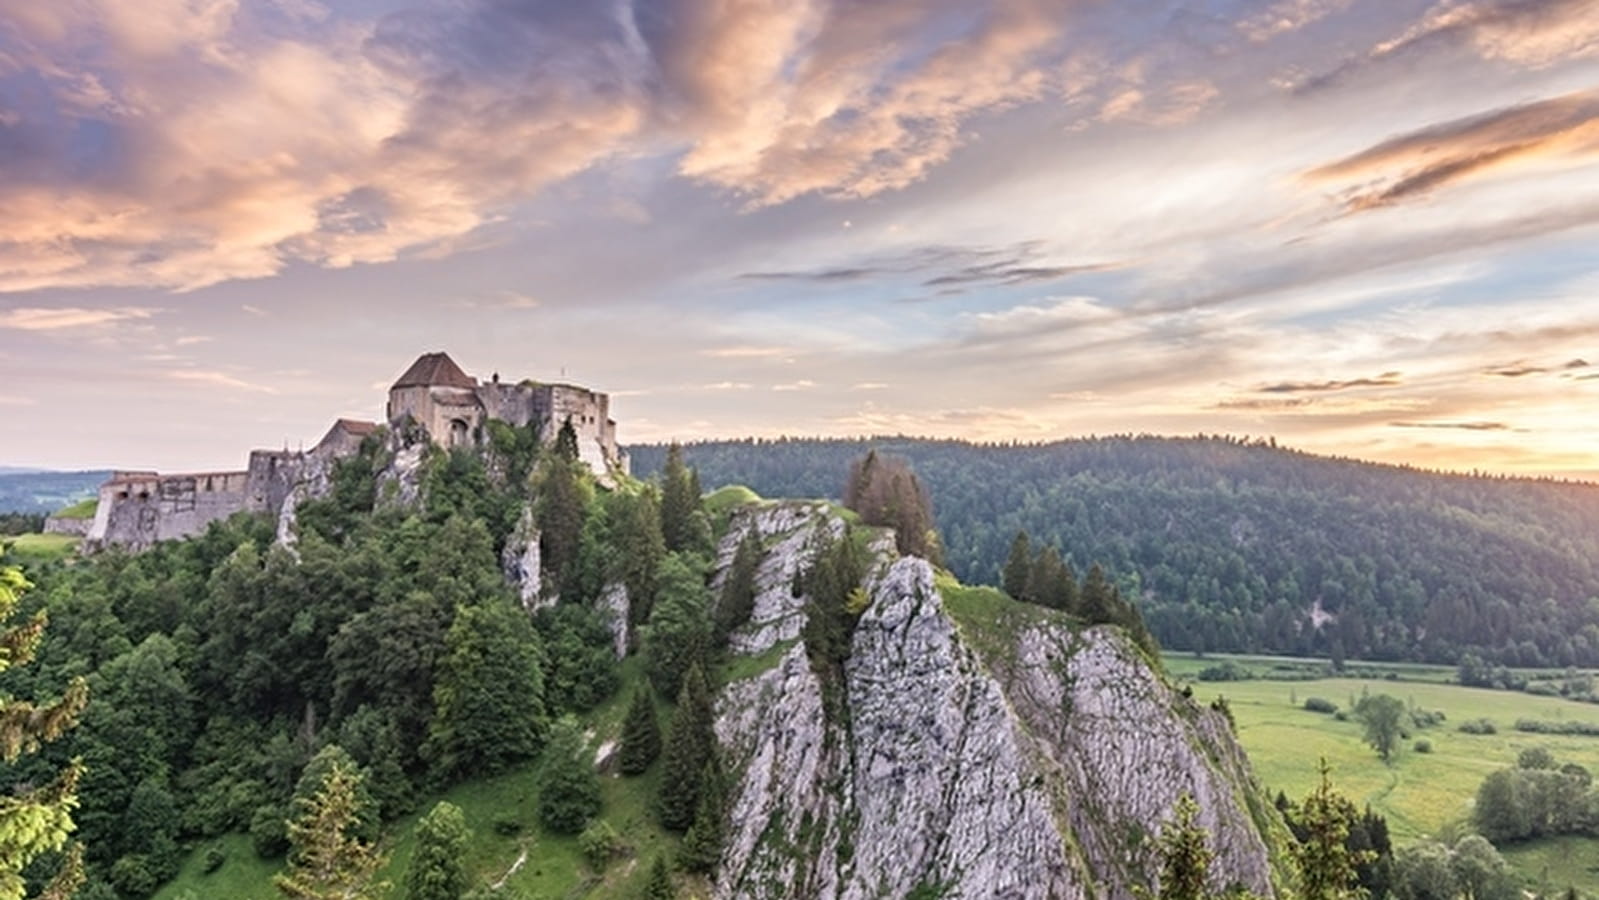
x=139 y=508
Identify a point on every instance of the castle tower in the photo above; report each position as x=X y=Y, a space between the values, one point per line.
x=441 y=397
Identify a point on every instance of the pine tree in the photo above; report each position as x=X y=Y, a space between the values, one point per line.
x=678 y=633
x=738 y=589
x=35 y=819
x=679 y=501
x=1185 y=858
x=437 y=871
x=569 y=791
x=689 y=744
x=660 y=887
x=1017 y=567
x=328 y=862
x=702 y=845
x=1327 y=867
x=1098 y=597
x=561 y=501
x=641 y=734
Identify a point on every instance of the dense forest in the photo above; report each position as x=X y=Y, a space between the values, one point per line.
x=230 y=674
x=1233 y=545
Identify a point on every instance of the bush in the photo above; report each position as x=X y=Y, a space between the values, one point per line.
x=507 y=827
x=1320 y=705
x=1423 y=746
x=1341 y=716
x=1547 y=726
x=600 y=843
x=1226 y=671
x=1426 y=718
x=1478 y=726
x=1542 y=689
x=212 y=860
x=269 y=831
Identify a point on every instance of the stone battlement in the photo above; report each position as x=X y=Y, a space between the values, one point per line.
x=138 y=507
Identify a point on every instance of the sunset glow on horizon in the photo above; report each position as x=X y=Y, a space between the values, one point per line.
x=1367 y=228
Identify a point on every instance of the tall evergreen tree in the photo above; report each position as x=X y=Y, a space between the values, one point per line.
x=702 y=845
x=660 y=886
x=679 y=501
x=34 y=819
x=638 y=550
x=437 y=868
x=1327 y=867
x=1098 y=597
x=569 y=791
x=562 y=499
x=689 y=743
x=641 y=734
x=679 y=632
x=1185 y=857
x=490 y=692
x=566 y=441
x=328 y=862
x=738 y=589
x=1018 y=566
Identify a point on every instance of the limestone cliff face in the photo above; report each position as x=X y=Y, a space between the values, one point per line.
x=1032 y=760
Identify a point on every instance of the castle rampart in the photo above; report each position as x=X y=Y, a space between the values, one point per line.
x=138 y=508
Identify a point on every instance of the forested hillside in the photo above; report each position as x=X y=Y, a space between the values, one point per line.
x=1241 y=546
x=28 y=491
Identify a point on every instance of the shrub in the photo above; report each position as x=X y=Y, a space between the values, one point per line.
x=269 y=831
x=1320 y=705
x=1226 y=671
x=1546 y=726
x=1341 y=716
x=600 y=843
x=1426 y=718
x=1478 y=726
x=1423 y=746
x=507 y=827
x=1542 y=689
x=212 y=860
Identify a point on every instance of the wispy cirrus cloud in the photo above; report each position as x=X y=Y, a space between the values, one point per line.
x=34 y=318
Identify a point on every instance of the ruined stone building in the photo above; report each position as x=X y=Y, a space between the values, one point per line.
x=138 y=508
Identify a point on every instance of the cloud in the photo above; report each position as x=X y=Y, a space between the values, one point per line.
x=1417 y=164
x=1532 y=34
x=1386 y=379
x=747 y=351
x=949 y=267
x=217 y=379
x=29 y=318
x=804 y=384
x=1286 y=16
x=1459 y=426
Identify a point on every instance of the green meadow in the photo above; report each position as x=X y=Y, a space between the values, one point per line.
x=1421 y=794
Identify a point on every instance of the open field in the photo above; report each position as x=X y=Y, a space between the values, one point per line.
x=1292 y=668
x=1422 y=792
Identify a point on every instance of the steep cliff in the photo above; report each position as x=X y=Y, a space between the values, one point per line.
x=980 y=748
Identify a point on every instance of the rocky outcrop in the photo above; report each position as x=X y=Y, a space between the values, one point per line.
x=787 y=532
x=521 y=563
x=1034 y=766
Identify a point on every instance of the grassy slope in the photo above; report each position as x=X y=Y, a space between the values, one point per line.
x=34 y=549
x=83 y=509
x=1422 y=792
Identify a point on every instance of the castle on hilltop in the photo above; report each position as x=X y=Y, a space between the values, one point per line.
x=138 y=508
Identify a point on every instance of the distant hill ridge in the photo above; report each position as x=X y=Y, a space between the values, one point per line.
x=1239 y=545
x=44 y=491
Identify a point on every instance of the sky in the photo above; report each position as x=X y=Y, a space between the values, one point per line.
x=1362 y=227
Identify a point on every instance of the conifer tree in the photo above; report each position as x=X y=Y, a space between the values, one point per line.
x=689 y=743
x=641 y=734
x=679 y=630
x=561 y=503
x=1017 y=567
x=659 y=887
x=679 y=501
x=1185 y=858
x=437 y=871
x=1098 y=597
x=569 y=791
x=1327 y=867
x=35 y=819
x=738 y=589
x=328 y=862
x=702 y=845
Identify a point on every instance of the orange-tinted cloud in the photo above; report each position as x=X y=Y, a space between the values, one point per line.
x=1415 y=165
